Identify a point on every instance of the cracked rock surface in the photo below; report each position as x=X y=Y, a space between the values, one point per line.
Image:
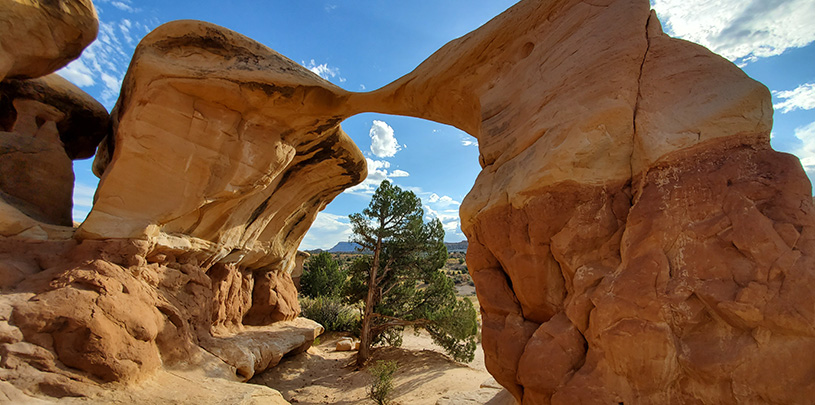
x=633 y=237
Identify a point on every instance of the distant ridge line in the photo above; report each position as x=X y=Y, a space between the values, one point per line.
x=351 y=247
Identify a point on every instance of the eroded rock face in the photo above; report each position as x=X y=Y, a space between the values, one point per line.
x=632 y=236
x=256 y=166
x=45 y=123
x=169 y=267
x=37 y=37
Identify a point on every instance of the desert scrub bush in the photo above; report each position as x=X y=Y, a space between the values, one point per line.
x=331 y=313
x=381 y=380
x=323 y=277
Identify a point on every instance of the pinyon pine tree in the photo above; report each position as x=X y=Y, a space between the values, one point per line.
x=401 y=284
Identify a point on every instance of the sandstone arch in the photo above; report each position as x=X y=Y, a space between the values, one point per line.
x=633 y=236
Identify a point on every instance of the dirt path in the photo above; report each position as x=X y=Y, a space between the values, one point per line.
x=324 y=376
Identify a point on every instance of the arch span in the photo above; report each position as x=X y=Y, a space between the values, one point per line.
x=633 y=237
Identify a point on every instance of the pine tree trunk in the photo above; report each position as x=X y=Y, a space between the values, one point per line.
x=365 y=338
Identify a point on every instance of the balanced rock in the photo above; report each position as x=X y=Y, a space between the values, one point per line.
x=44 y=124
x=38 y=37
x=633 y=237
x=257 y=166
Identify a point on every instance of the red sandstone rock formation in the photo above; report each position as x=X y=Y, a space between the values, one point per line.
x=182 y=262
x=632 y=236
x=40 y=37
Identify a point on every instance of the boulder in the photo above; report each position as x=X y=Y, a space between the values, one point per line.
x=38 y=37
x=297 y=272
x=347 y=344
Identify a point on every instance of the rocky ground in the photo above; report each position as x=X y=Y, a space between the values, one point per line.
x=425 y=375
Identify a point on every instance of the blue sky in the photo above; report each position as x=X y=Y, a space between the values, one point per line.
x=364 y=44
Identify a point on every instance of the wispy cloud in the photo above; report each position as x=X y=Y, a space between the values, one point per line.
x=800 y=98
x=77 y=73
x=806 y=134
x=83 y=200
x=445 y=208
x=383 y=141
x=105 y=61
x=323 y=70
x=469 y=142
x=326 y=231
x=740 y=30
x=121 y=5
x=377 y=172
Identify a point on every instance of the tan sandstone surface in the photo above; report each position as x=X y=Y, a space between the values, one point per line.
x=632 y=235
x=325 y=375
x=183 y=264
x=41 y=36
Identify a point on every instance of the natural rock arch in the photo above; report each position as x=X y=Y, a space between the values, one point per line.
x=633 y=236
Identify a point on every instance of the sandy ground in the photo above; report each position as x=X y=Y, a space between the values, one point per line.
x=324 y=376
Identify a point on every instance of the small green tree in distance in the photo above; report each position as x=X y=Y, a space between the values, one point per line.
x=323 y=277
x=401 y=283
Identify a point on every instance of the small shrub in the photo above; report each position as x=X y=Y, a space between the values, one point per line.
x=331 y=313
x=381 y=381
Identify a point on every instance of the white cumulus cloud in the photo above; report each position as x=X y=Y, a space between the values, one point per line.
x=443 y=207
x=800 y=98
x=377 y=172
x=77 y=73
x=383 y=142
x=105 y=61
x=740 y=30
x=806 y=134
x=323 y=70
x=326 y=231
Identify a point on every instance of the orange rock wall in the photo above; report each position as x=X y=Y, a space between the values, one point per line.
x=633 y=236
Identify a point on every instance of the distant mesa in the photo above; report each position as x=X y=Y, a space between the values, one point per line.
x=351 y=247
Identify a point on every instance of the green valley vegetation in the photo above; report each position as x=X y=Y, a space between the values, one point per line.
x=405 y=279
